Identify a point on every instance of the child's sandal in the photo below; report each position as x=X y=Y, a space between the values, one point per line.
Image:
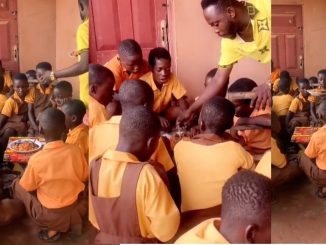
x=44 y=236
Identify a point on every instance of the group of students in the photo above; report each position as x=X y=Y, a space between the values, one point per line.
x=143 y=188
x=51 y=187
x=294 y=106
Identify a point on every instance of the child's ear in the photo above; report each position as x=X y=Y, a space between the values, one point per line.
x=231 y=12
x=152 y=144
x=93 y=89
x=251 y=231
x=74 y=118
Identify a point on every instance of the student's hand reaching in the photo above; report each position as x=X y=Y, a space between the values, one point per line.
x=185 y=117
x=165 y=124
x=263 y=97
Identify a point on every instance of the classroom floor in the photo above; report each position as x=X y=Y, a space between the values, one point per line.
x=298 y=216
x=25 y=232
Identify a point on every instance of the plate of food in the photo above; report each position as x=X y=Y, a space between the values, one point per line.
x=317 y=92
x=25 y=145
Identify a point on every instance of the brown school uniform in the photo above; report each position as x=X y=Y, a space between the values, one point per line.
x=57 y=173
x=16 y=111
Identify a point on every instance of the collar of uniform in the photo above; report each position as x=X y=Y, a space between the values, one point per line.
x=212 y=233
x=77 y=129
x=153 y=84
x=54 y=144
x=46 y=91
x=120 y=156
x=114 y=120
x=16 y=96
x=93 y=101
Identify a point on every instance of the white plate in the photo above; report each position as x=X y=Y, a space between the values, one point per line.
x=36 y=142
x=316 y=93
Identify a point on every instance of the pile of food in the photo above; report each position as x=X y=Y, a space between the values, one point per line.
x=24 y=146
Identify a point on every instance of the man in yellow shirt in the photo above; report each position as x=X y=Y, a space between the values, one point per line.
x=245 y=215
x=129 y=203
x=100 y=93
x=81 y=67
x=313 y=160
x=74 y=111
x=245 y=28
x=219 y=158
x=169 y=93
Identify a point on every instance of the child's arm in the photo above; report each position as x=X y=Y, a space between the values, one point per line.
x=313 y=112
x=262 y=120
x=31 y=117
x=289 y=116
x=3 y=120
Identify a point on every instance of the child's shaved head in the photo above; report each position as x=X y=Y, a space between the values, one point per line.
x=75 y=108
x=139 y=130
x=135 y=93
x=246 y=202
x=217 y=115
x=129 y=47
x=62 y=92
x=52 y=123
x=284 y=85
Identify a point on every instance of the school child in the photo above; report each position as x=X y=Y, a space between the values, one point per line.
x=282 y=100
x=128 y=64
x=322 y=78
x=101 y=82
x=133 y=93
x=137 y=207
x=293 y=87
x=300 y=108
x=74 y=111
x=57 y=174
x=313 y=81
x=211 y=149
x=3 y=97
x=256 y=141
x=40 y=97
x=169 y=93
x=275 y=73
x=31 y=75
x=245 y=214
x=13 y=118
x=313 y=160
x=62 y=92
x=8 y=84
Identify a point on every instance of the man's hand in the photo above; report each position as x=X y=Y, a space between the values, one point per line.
x=185 y=117
x=165 y=124
x=263 y=97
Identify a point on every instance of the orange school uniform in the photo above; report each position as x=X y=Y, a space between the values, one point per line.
x=96 y=112
x=300 y=103
x=264 y=166
x=57 y=173
x=162 y=97
x=278 y=158
x=3 y=100
x=275 y=75
x=293 y=86
x=281 y=104
x=316 y=148
x=8 y=82
x=158 y=216
x=79 y=136
x=121 y=74
x=106 y=135
x=204 y=233
x=218 y=162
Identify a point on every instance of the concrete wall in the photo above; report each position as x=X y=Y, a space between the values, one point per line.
x=314 y=33
x=36 y=32
x=195 y=48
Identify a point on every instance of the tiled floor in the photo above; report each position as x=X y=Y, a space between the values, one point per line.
x=298 y=216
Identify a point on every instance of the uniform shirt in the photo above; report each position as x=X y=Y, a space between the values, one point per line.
x=281 y=104
x=31 y=98
x=204 y=169
x=98 y=143
x=8 y=82
x=204 y=233
x=79 y=136
x=278 y=158
x=82 y=46
x=297 y=104
x=258 y=138
x=120 y=73
x=233 y=50
x=317 y=148
x=57 y=173
x=157 y=214
x=97 y=112
x=11 y=107
x=3 y=100
x=264 y=166
x=163 y=97
x=293 y=86
x=275 y=75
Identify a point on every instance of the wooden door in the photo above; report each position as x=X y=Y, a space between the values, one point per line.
x=114 y=20
x=287 y=39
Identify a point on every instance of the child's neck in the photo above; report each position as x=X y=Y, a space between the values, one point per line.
x=158 y=85
x=75 y=126
x=49 y=139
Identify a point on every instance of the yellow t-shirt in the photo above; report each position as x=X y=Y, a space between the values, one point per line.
x=317 y=148
x=163 y=97
x=97 y=112
x=99 y=144
x=11 y=107
x=264 y=166
x=293 y=86
x=204 y=169
x=278 y=158
x=233 y=50
x=3 y=100
x=281 y=104
x=204 y=233
x=82 y=46
x=297 y=103
x=157 y=214
x=79 y=136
